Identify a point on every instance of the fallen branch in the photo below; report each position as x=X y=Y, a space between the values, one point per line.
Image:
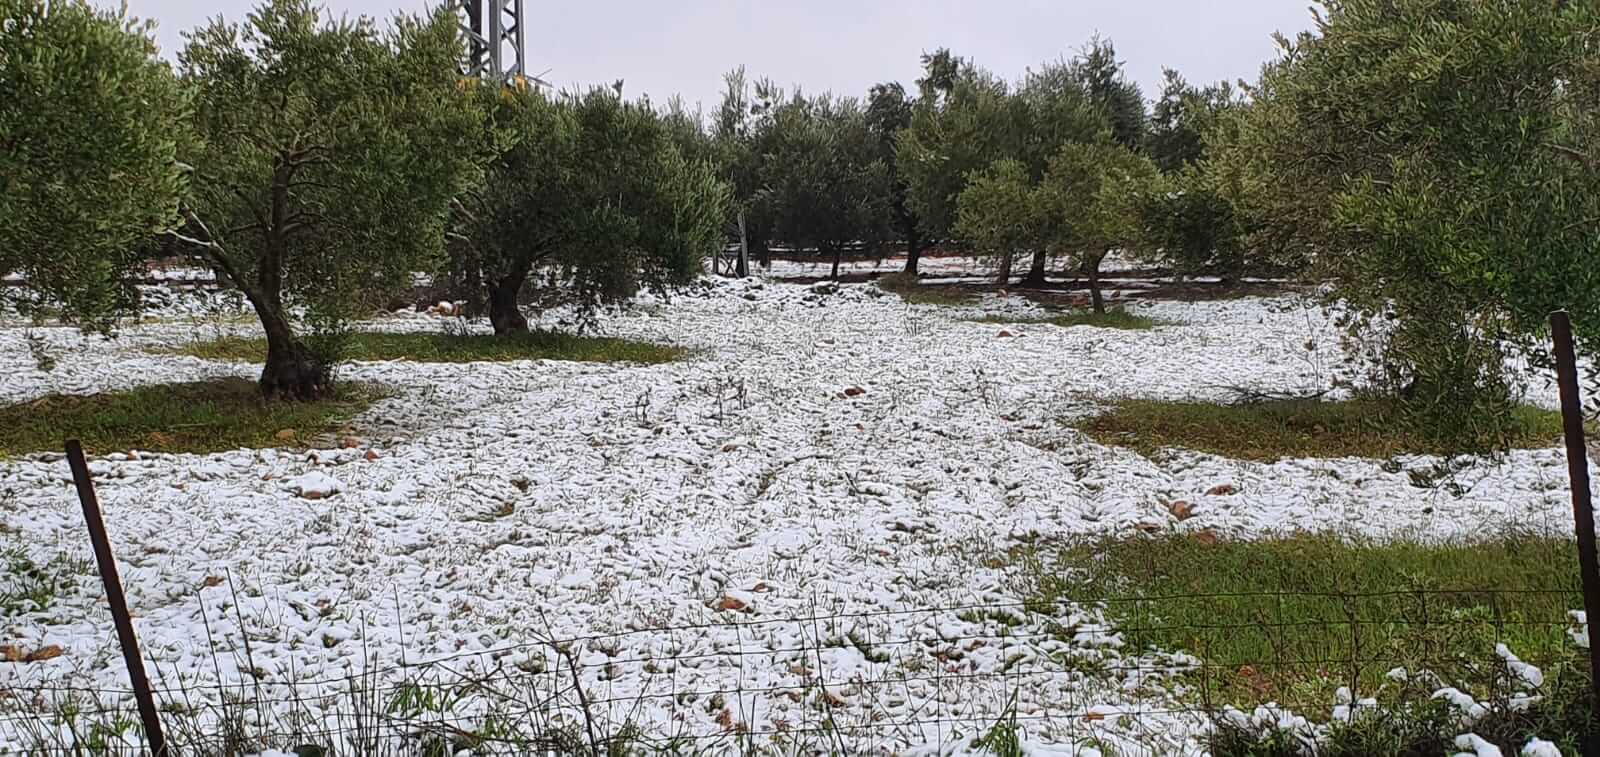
x=1243 y=395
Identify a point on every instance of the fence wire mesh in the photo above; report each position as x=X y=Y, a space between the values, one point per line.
x=1112 y=674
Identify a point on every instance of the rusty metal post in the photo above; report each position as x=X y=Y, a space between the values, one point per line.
x=115 y=598
x=1582 y=498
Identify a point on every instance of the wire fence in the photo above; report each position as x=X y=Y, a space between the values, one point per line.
x=1112 y=674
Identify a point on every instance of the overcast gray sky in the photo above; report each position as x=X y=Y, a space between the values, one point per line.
x=663 y=47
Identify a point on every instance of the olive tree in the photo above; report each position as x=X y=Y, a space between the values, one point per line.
x=587 y=199
x=825 y=183
x=960 y=124
x=742 y=117
x=889 y=112
x=966 y=121
x=503 y=229
x=1091 y=196
x=1428 y=157
x=1053 y=107
x=1193 y=227
x=1118 y=99
x=1183 y=117
x=90 y=121
x=998 y=212
x=327 y=156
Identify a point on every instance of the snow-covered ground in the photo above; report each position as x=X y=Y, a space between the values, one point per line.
x=799 y=528
x=945 y=268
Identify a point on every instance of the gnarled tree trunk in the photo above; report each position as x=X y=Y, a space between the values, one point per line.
x=1035 y=277
x=505 y=315
x=291 y=372
x=838 y=253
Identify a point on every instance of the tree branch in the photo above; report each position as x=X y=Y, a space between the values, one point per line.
x=1573 y=153
x=211 y=250
x=261 y=218
x=306 y=156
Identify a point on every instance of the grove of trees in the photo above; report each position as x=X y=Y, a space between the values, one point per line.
x=315 y=165
x=588 y=197
x=1431 y=165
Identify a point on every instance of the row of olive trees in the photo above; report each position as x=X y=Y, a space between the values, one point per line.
x=808 y=172
x=1047 y=169
x=966 y=161
x=315 y=164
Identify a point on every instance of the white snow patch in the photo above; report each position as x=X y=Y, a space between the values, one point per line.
x=1475 y=746
x=518 y=502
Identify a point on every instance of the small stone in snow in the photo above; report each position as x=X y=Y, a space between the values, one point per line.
x=733 y=604
x=1206 y=537
x=1004 y=334
x=371 y=455
x=13 y=653
x=314 y=485
x=854 y=391
x=1222 y=490
x=1181 y=510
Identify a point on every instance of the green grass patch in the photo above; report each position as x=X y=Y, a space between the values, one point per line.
x=451 y=348
x=1111 y=319
x=1286 y=428
x=200 y=417
x=1292 y=619
x=912 y=292
x=26 y=586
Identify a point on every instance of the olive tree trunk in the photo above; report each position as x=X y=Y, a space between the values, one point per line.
x=1035 y=277
x=743 y=269
x=913 y=251
x=292 y=370
x=1091 y=269
x=505 y=314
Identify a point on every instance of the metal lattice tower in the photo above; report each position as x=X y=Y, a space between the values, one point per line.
x=494 y=38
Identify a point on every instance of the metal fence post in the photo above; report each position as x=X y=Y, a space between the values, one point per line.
x=1582 y=502
x=118 y=602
